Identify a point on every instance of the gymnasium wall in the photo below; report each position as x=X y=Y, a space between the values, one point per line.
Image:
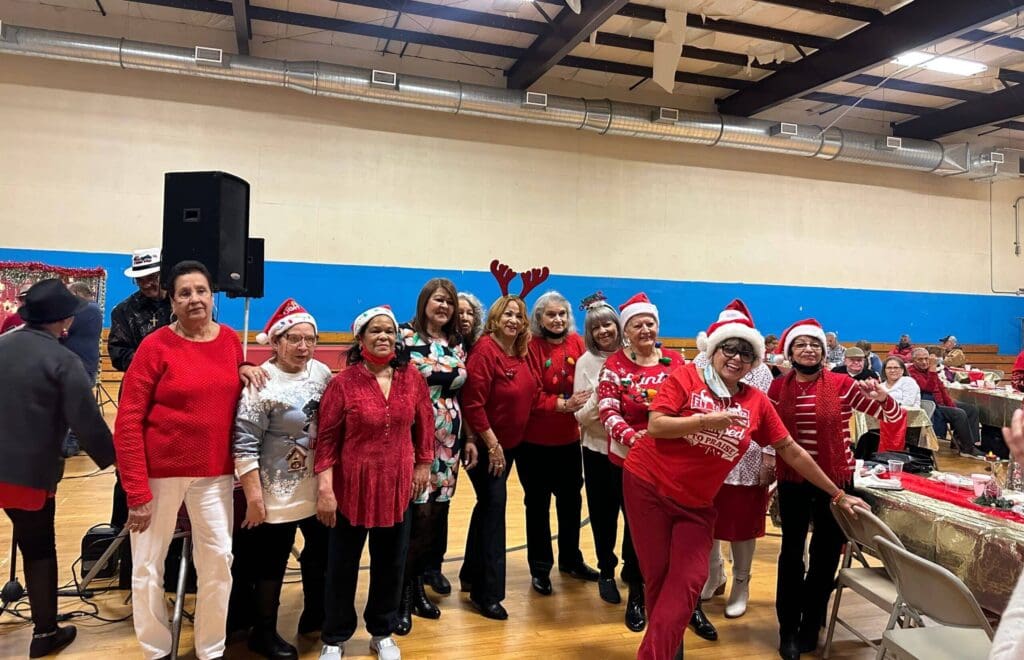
x=360 y=204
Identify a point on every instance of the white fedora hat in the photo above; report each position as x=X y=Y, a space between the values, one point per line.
x=144 y=262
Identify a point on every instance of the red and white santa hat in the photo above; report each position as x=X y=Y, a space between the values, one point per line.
x=735 y=322
x=805 y=328
x=364 y=317
x=638 y=304
x=288 y=314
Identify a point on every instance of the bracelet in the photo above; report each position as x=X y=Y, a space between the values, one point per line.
x=838 y=497
x=491 y=450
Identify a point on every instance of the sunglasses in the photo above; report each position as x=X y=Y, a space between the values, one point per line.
x=746 y=357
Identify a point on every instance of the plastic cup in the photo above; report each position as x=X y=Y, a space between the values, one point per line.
x=860 y=466
x=980 y=481
x=896 y=470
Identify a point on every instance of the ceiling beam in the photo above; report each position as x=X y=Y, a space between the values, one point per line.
x=1009 y=75
x=991 y=39
x=991 y=108
x=567 y=30
x=867 y=104
x=449 y=13
x=915 y=87
x=691 y=52
x=915 y=25
x=243 y=27
x=647 y=72
x=829 y=8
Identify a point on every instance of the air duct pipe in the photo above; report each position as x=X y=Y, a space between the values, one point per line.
x=598 y=116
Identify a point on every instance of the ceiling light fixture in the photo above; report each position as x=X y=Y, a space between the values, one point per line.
x=953 y=65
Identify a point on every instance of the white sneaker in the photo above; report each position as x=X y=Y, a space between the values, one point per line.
x=329 y=652
x=385 y=648
x=738 y=597
x=715 y=585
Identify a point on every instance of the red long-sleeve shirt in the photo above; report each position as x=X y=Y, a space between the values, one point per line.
x=177 y=410
x=554 y=365
x=499 y=393
x=930 y=383
x=371 y=443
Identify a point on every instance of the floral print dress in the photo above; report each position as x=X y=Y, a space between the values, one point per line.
x=444 y=369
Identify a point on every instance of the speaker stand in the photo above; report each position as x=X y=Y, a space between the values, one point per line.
x=245 y=330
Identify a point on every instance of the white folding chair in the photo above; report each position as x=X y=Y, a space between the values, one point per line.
x=928 y=590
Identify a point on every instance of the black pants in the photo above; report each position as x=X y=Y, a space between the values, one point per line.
x=604 y=500
x=963 y=418
x=261 y=556
x=801 y=600
x=483 y=567
x=388 y=549
x=545 y=471
x=34 y=535
x=429 y=521
x=434 y=555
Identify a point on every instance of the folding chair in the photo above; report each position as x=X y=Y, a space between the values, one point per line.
x=928 y=590
x=872 y=583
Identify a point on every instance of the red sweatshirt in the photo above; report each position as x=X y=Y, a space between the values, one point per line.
x=499 y=392
x=930 y=383
x=554 y=365
x=177 y=410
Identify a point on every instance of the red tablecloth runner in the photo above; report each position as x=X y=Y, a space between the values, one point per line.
x=961 y=496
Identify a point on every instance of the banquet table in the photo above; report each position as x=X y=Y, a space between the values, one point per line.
x=916 y=418
x=995 y=407
x=982 y=549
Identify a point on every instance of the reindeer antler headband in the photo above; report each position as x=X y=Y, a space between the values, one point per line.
x=532 y=278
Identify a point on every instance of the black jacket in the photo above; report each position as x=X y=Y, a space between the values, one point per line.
x=134 y=317
x=43 y=391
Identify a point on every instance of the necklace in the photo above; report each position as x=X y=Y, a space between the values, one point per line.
x=804 y=388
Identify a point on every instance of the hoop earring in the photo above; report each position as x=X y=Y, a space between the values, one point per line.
x=173 y=318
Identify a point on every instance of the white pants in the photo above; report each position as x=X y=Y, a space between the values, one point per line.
x=209 y=505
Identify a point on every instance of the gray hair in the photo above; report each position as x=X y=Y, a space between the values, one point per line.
x=918 y=350
x=81 y=289
x=597 y=315
x=551 y=298
x=478 y=315
x=832 y=335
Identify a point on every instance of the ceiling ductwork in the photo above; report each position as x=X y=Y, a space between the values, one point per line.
x=598 y=116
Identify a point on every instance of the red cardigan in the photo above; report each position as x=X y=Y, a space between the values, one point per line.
x=930 y=383
x=499 y=392
x=177 y=410
x=371 y=442
x=554 y=365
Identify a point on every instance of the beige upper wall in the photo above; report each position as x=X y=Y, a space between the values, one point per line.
x=85 y=148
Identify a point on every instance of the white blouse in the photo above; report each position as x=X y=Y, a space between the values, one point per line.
x=905 y=392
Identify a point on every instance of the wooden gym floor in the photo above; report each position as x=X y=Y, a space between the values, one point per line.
x=573 y=623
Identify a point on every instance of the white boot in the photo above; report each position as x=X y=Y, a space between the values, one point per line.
x=715 y=584
x=385 y=648
x=738 y=597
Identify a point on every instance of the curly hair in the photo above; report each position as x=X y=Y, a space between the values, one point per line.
x=498 y=307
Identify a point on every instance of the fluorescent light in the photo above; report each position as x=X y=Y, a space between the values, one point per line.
x=953 y=65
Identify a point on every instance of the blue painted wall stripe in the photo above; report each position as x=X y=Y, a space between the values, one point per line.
x=336 y=293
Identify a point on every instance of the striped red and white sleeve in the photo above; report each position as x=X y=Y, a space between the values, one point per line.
x=887 y=409
x=609 y=397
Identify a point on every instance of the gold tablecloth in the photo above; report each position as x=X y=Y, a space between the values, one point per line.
x=916 y=418
x=986 y=552
x=995 y=407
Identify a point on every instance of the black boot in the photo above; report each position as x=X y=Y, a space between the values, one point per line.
x=807 y=638
x=421 y=605
x=41 y=585
x=636 y=614
x=44 y=644
x=438 y=582
x=263 y=638
x=702 y=626
x=404 y=624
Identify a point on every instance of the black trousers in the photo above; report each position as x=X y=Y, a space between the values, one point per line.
x=545 y=471
x=429 y=521
x=483 y=567
x=34 y=536
x=801 y=600
x=604 y=500
x=388 y=549
x=434 y=555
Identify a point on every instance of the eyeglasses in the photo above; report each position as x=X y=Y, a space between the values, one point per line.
x=295 y=340
x=746 y=357
x=807 y=346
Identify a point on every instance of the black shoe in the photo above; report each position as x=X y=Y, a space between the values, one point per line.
x=310 y=621
x=404 y=624
x=267 y=643
x=542 y=585
x=492 y=610
x=581 y=572
x=438 y=582
x=971 y=452
x=609 y=591
x=636 y=613
x=47 y=643
x=807 y=640
x=789 y=649
x=421 y=605
x=702 y=626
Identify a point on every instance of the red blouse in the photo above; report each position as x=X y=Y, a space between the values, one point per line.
x=499 y=392
x=26 y=498
x=371 y=442
x=554 y=365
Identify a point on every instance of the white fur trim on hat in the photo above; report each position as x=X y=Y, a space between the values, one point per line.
x=806 y=330
x=702 y=342
x=364 y=317
x=736 y=331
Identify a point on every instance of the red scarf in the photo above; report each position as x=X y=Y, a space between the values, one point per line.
x=828 y=418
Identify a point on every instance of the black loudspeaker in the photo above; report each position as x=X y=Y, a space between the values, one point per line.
x=253 y=271
x=206 y=218
x=94 y=544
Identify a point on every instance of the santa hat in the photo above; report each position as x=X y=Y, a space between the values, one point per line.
x=735 y=322
x=638 y=304
x=288 y=314
x=805 y=328
x=364 y=317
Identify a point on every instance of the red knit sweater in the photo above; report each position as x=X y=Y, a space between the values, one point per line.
x=177 y=410
x=554 y=365
x=499 y=392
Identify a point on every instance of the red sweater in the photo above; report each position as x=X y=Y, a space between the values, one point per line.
x=930 y=383
x=177 y=410
x=554 y=365
x=371 y=443
x=499 y=392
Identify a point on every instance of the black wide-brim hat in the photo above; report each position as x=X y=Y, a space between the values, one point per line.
x=49 y=301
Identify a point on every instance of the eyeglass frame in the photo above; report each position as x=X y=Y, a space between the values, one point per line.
x=740 y=353
x=309 y=341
